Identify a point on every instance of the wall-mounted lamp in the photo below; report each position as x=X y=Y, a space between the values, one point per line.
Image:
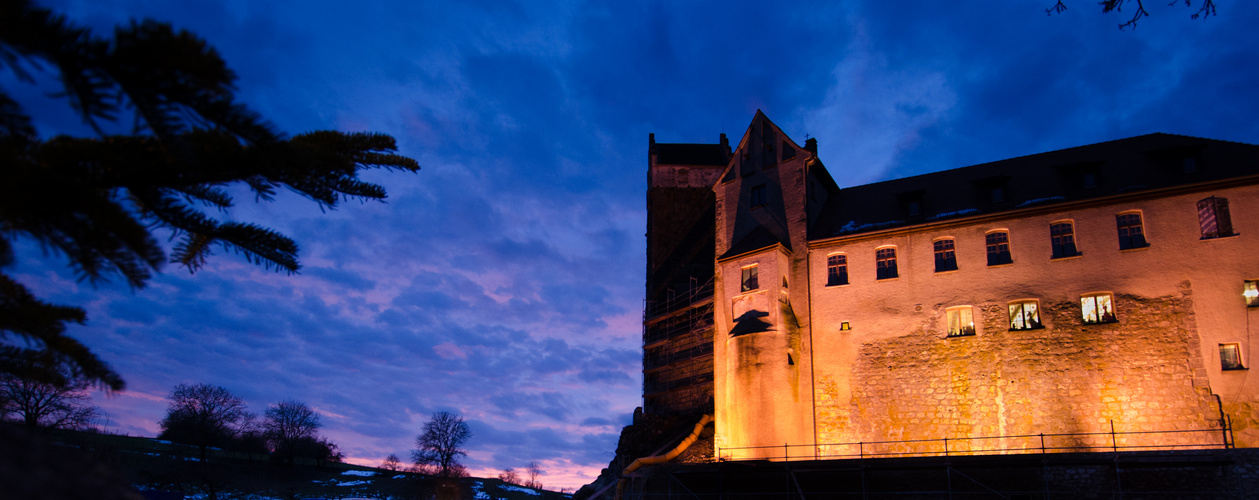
x=1250 y=290
x=843 y=326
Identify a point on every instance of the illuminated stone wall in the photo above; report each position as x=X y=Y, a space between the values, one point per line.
x=1143 y=372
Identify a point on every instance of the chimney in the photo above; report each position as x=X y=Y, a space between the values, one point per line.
x=725 y=144
x=810 y=145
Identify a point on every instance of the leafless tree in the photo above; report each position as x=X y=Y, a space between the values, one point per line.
x=1206 y=9
x=202 y=415
x=288 y=424
x=509 y=476
x=534 y=472
x=47 y=404
x=392 y=462
x=438 y=448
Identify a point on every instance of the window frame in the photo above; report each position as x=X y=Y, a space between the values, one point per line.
x=751 y=280
x=1062 y=245
x=1213 y=212
x=962 y=313
x=834 y=262
x=885 y=263
x=1238 y=363
x=1099 y=318
x=1002 y=248
x=945 y=258
x=758 y=196
x=1033 y=323
x=1250 y=292
x=1131 y=241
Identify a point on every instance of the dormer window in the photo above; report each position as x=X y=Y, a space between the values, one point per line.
x=997 y=193
x=1189 y=165
x=911 y=202
x=993 y=189
x=1089 y=180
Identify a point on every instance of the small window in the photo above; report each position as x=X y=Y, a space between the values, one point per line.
x=757 y=197
x=1131 y=232
x=914 y=208
x=1250 y=291
x=1062 y=238
x=1098 y=308
x=946 y=259
x=998 y=248
x=1025 y=315
x=1189 y=165
x=1089 y=180
x=788 y=151
x=836 y=270
x=1214 y=219
x=961 y=321
x=750 y=279
x=1231 y=357
x=998 y=194
x=885 y=259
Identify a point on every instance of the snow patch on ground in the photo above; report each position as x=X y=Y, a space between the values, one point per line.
x=363 y=473
x=522 y=489
x=479 y=495
x=353 y=483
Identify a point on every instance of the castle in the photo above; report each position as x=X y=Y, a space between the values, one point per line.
x=1082 y=294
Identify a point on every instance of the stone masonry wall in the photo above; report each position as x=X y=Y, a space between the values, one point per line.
x=1144 y=372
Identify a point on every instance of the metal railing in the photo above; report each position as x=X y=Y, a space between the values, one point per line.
x=1078 y=442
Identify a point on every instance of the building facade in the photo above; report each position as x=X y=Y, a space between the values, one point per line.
x=1096 y=294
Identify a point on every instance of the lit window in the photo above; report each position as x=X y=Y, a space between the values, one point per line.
x=1214 y=219
x=1062 y=238
x=1231 y=357
x=946 y=259
x=1024 y=315
x=750 y=279
x=998 y=248
x=757 y=197
x=836 y=270
x=1098 y=308
x=885 y=259
x=961 y=321
x=1250 y=291
x=1131 y=233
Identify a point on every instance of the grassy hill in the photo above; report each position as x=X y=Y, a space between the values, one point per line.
x=151 y=465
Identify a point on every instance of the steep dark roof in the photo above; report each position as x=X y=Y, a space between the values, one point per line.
x=692 y=154
x=1130 y=165
x=757 y=239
